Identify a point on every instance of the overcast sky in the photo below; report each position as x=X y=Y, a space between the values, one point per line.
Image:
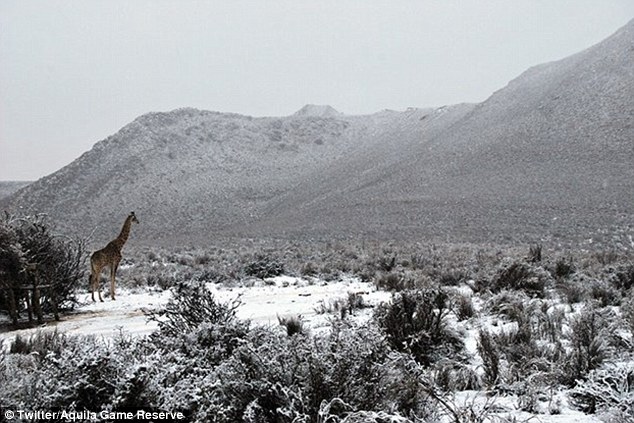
x=74 y=72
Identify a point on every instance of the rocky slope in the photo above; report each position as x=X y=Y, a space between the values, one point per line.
x=191 y=174
x=548 y=156
x=9 y=187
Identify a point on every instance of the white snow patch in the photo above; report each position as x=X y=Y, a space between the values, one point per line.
x=262 y=303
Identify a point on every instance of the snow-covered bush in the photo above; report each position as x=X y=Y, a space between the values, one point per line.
x=627 y=310
x=416 y=322
x=622 y=277
x=264 y=267
x=520 y=276
x=607 y=389
x=393 y=281
x=572 y=290
x=41 y=343
x=490 y=355
x=293 y=324
x=563 y=268
x=191 y=306
x=463 y=307
x=275 y=378
x=604 y=293
x=453 y=376
x=535 y=253
x=37 y=263
x=593 y=339
x=83 y=373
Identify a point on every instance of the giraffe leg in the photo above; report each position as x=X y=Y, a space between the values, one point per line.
x=113 y=273
x=95 y=279
x=98 y=283
x=91 y=282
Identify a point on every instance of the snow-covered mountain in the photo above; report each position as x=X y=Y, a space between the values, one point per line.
x=9 y=187
x=548 y=155
x=317 y=110
x=191 y=173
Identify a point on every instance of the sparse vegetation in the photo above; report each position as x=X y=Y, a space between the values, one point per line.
x=543 y=332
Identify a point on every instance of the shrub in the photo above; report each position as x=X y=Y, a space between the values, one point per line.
x=415 y=322
x=264 y=267
x=592 y=341
x=627 y=309
x=535 y=253
x=308 y=269
x=490 y=355
x=507 y=303
x=190 y=306
x=274 y=378
x=564 y=268
x=386 y=264
x=610 y=388
x=622 y=278
x=391 y=282
x=32 y=255
x=604 y=293
x=451 y=278
x=452 y=376
x=519 y=276
x=293 y=324
x=80 y=371
x=41 y=343
x=463 y=307
x=572 y=291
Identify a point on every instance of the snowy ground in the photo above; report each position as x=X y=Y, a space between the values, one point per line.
x=262 y=303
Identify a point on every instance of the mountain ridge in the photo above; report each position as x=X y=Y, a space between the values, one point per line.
x=548 y=156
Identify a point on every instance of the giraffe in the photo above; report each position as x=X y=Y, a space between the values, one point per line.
x=109 y=256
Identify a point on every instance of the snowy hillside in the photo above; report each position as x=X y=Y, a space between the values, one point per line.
x=547 y=157
x=9 y=187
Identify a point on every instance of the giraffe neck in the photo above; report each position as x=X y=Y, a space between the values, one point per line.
x=125 y=233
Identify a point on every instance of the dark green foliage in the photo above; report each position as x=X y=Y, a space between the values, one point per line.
x=622 y=278
x=521 y=277
x=463 y=307
x=386 y=264
x=264 y=267
x=293 y=324
x=490 y=355
x=415 y=322
x=535 y=253
x=564 y=268
x=604 y=293
x=40 y=344
x=592 y=341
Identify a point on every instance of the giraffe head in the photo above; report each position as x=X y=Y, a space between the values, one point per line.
x=133 y=218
